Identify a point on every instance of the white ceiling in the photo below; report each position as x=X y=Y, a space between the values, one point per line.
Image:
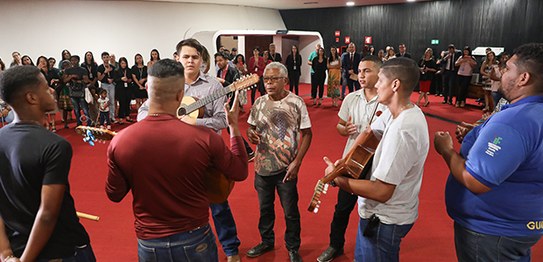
x=290 y=4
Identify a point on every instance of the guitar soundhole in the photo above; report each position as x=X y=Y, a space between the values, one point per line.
x=181 y=111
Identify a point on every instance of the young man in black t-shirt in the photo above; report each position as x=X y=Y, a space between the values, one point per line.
x=38 y=221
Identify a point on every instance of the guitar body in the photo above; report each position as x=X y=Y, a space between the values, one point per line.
x=218 y=187
x=352 y=165
x=188 y=100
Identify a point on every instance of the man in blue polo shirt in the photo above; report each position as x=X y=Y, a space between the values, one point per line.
x=493 y=192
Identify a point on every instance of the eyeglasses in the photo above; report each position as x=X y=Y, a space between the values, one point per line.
x=273 y=79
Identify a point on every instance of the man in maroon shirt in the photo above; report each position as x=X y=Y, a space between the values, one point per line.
x=164 y=161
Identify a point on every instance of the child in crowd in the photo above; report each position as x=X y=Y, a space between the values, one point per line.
x=103 y=104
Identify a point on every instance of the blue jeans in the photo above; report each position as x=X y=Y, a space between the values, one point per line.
x=383 y=246
x=82 y=254
x=195 y=245
x=473 y=246
x=226 y=228
x=80 y=103
x=288 y=195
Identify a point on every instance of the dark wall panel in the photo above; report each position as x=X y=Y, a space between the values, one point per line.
x=507 y=23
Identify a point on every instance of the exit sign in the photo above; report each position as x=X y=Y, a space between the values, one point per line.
x=435 y=42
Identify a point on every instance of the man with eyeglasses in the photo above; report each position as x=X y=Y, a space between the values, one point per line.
x=276 y=121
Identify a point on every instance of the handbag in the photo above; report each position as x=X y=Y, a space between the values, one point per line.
x=88 y=96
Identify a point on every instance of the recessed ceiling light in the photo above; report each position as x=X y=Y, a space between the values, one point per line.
x=351 y=3
x=411 y=0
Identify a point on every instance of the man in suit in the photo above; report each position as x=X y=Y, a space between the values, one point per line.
x=275 y=57
x=226 y=74
x=449 y=74
x=403 y=51
x=349 y=66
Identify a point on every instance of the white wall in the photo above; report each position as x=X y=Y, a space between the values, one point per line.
x=121 y=27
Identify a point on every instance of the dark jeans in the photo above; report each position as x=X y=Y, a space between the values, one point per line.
x=104 y=118
x=383 y=246
x=294 y=82
x=194 y=245
x=345 y=205
x=463 y=85
x=288 y=195
x=261 y=90
x=449 y=83
x=82 y=254
x=80 y=103
x=317 y=89
x=352 y=85
x=473 y=246
x=226 y=228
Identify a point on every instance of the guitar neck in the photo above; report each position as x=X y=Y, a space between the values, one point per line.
x=208 y=99
x=338 y=170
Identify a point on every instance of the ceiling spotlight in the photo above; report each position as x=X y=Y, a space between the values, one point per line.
x=351 y=3
x=411 y=0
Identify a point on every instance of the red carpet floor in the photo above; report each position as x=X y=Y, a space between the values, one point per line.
x=431 y=239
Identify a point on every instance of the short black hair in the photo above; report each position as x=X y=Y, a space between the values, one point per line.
x=220 y=54
x=104 y=53
x=75 y=57
x=530 y=58
x=17 y=79
x=192 y=43
x=374 y=59
x=403 y=69
x=166 y=68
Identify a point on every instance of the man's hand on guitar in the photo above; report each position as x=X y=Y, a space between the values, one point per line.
x=330 y=167
x=292 y=171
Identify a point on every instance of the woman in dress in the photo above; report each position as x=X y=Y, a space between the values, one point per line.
x=334 y=75
x=486 y=69
x=428 y=68
x=139 y=76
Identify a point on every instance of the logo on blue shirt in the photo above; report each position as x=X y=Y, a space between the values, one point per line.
x=493 y=146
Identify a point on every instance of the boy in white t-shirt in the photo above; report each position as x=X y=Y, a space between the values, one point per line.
x=103 y=106
x=388 y=203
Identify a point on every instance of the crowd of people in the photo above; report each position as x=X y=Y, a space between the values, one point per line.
x=492 y=193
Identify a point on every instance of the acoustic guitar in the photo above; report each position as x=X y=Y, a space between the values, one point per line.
x=193 y=107
x=353 y=164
